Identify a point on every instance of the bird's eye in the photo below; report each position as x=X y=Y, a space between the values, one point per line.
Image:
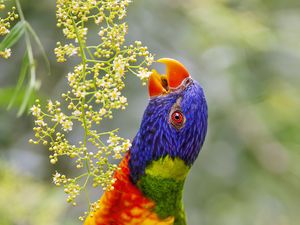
x=177 y=119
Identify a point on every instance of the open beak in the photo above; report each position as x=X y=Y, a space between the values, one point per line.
x=162 y=84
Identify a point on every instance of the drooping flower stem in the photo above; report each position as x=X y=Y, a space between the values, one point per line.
x=95 y=91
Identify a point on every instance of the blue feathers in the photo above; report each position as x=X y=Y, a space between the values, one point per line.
x=157 y=137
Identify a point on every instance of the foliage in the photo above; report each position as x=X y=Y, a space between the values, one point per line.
x=28 y=66
x=95 y=86
x=5 y=24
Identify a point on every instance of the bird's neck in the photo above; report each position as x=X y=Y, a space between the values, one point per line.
x=163 y=183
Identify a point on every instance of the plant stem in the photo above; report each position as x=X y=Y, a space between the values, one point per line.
x=32 y=81
x=84 y=61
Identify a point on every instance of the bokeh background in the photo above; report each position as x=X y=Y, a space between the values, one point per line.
x=246 y=55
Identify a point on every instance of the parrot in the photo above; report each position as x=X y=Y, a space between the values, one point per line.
x=149 y=183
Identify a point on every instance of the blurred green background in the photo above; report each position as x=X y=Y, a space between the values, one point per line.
x=246 y=55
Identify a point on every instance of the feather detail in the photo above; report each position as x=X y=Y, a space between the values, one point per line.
x=126 y=204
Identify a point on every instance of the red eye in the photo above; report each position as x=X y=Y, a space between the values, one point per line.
x=177 y=119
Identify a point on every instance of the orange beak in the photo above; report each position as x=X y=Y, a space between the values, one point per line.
x=161 y=84
x=155 y=86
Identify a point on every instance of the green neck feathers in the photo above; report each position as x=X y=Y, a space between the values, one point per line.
x=163 y=183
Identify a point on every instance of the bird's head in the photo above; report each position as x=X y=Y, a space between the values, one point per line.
x=175 y=121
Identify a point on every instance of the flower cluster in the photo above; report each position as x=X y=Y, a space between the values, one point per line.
x=95 y=91
x=5 y=24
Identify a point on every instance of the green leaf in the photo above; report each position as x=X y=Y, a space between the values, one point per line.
x=5 y=95
x=27 y=97
x=22 y=75
x=38 y=42
x=13 y=36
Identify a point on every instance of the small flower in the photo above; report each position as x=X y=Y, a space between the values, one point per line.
x=126 y=145
x=119 y=66
x=50 y=106
x=144 y=74
x=71 y=77
x=99 y=20
x=56 y=178
x=149 y=59
x=59 y=117
x=40 y=123
x=67 y=125
x=6 y=53
x=114 y=94
x=102 y=111
x=36 y=111
x=80 y=93
x=117 y=151
x=66 y=50
x=3 y=30
x=77 y=113
x=123 y=100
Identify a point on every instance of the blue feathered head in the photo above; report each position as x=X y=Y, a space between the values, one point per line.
x=175 y=121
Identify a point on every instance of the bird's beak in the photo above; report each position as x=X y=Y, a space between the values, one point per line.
x=176 y=72
x=162 y=84
x=155 y=84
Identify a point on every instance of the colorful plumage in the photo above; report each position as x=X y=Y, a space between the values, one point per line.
x=149 y=183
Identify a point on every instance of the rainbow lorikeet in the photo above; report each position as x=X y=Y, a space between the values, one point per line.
x=150 y=179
